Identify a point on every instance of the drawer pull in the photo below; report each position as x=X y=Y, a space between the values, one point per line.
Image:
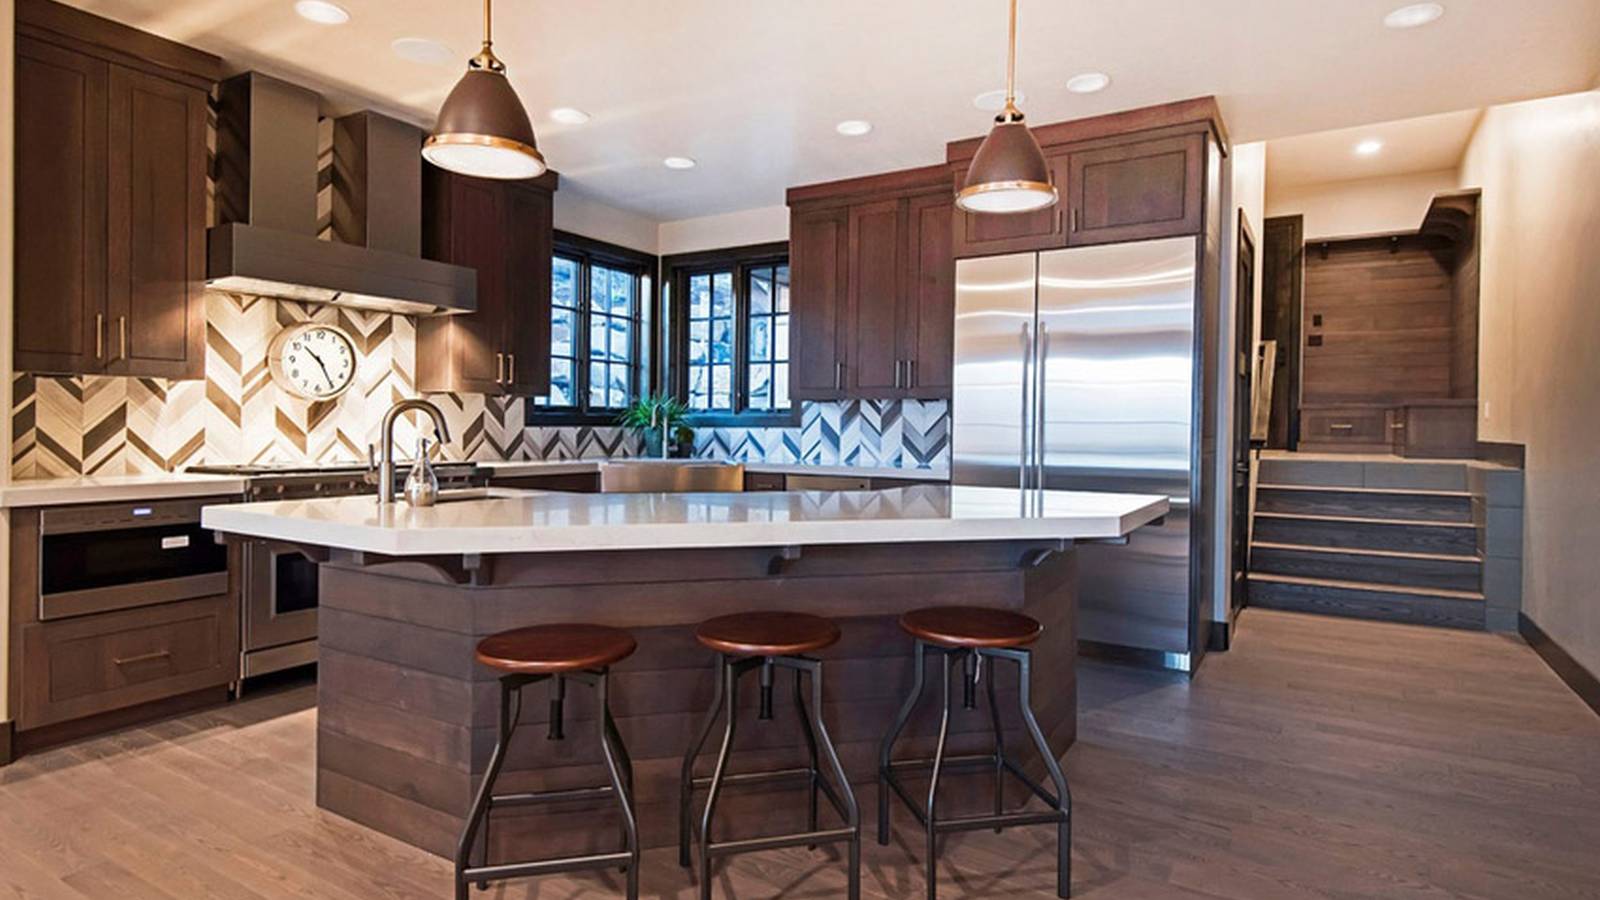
x=1341 y=426
x=143 y=657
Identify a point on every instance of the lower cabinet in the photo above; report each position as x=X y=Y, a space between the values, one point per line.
x=74 y=668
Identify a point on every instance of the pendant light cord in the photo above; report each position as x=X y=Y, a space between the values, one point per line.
x=1010 y=113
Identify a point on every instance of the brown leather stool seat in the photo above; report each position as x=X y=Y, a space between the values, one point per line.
x=555 y=649
x=971 y=626
x=767 y=634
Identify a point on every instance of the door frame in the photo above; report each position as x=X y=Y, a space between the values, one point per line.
x=1284 y=237
x=1244 y=362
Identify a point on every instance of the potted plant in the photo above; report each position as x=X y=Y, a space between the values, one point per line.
x=659 y=421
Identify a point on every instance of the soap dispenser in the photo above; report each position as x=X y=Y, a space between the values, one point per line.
x=422 y=485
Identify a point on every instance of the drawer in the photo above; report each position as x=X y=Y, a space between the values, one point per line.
x=1350 y=425
x=764 y=481
x=97 y=663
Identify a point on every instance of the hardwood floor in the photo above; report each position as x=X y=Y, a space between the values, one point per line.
x=1319 y=758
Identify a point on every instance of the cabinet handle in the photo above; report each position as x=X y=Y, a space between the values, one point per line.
x=122 y=329
x=511 y=368
x=1074 y=218
x=99 y=336
x=898 y=364
x=838 y=376
x=911 y=373
x=143 y=657
x=1341 y=426
x=499 y=368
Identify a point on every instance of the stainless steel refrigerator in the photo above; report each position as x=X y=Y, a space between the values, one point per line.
x=1075 y=369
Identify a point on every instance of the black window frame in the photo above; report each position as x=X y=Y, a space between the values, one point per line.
x=741 y=261
x=587 y=252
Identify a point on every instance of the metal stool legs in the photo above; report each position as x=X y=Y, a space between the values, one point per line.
x=619 y=769
x=926 y=813
x=837 y=789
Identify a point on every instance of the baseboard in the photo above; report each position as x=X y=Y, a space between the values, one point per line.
x=117 y=719
x=1505 y=454
x=1221 y=637
x=1582 y=681
x=1143 y=657
x=7 y=729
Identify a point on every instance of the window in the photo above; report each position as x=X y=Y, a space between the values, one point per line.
x=731 y=333
x=598 y=297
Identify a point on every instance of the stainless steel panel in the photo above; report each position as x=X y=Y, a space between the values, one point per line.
x=1117 y=365
x=668 y=476
x=995 y=309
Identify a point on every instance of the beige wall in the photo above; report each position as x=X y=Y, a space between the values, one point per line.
x=1365 y=206
x=1538 y=164
x=735 y=229
x=580 y=214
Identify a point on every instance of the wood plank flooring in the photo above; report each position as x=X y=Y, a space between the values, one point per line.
x=1320 y=758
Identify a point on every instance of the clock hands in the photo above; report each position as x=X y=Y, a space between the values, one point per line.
x=323 y=366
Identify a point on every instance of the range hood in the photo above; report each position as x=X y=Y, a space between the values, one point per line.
x=266 y=241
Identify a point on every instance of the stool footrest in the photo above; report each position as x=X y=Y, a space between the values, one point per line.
x=965 y=762
x=620 y=859
x=530 y=798
x=1004 y=820
x=750 y=845
x=756 y=777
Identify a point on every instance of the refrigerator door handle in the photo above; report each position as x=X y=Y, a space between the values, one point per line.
x=1024 y=457
x=1043 y=356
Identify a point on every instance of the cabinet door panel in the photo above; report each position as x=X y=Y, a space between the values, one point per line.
x=156 y=227
x=477 y=240
x=989 y=234
x=529 y=245
x=1134 y=191
x=930 y=309
x=876 y=233
x=60 y=208
x=818 y=251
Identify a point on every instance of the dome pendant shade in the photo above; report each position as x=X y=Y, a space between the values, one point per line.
x=483 y=130
x=1009 y=174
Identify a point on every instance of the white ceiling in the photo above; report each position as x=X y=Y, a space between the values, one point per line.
x=1422 y=144
x=753 y=88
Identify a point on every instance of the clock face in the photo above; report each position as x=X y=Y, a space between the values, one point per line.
x=317 y=362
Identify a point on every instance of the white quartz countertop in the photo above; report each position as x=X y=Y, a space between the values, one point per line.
x=514 y=469
x=117 y=488
x=509 y=521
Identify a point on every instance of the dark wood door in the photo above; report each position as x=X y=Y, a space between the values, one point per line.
x=991 y=234
x=819 y=248
x=1135 y=191
x=929 y=311
x=876 y=367
x=60 y=209
x=530 y=242
x=466 y=226
x=1244 y=357
x=155 y=316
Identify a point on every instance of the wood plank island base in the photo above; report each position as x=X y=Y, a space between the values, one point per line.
x=406 y=717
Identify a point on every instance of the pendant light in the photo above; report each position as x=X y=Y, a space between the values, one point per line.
x=1009 y=173
x=483 y=129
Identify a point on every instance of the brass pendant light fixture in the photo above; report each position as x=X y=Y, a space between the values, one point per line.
x=1009 y=173
x=483 y=129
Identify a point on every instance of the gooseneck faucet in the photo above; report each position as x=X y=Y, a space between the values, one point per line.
x=386 y=492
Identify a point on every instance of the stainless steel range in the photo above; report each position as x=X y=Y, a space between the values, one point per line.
x=278 y=585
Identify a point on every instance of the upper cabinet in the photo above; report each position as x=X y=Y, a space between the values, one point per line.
x=1123 y=177
x=873 y=287
x=504 y=230
x=110 y=197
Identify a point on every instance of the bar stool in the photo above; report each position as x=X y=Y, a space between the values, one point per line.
x=764 y=642
x=972 y=635
x=558 y=654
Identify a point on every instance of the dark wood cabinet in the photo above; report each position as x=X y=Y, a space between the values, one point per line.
x=503 y=231
x=819 y=250
x=1135 y=191
x=873 y=281
x=110 y=199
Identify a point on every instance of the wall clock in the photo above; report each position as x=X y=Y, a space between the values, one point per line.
x=314 y=361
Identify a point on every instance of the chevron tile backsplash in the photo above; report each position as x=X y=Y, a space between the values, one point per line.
x=899 y=434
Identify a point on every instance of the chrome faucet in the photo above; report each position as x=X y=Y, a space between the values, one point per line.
x=385 y=468
x=666 y=427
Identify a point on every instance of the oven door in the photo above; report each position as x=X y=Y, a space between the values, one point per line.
x=280 y=596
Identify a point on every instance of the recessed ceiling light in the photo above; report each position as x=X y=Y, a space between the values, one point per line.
x=994 y=101
x=423 y=50
x=568 y=115
x=1088 y=82
x=853 y=127
x=678 y=162
x=1369 y=147
x=1414 y=15
x=321 y=12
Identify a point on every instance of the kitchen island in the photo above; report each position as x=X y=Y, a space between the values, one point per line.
x=406 y=718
